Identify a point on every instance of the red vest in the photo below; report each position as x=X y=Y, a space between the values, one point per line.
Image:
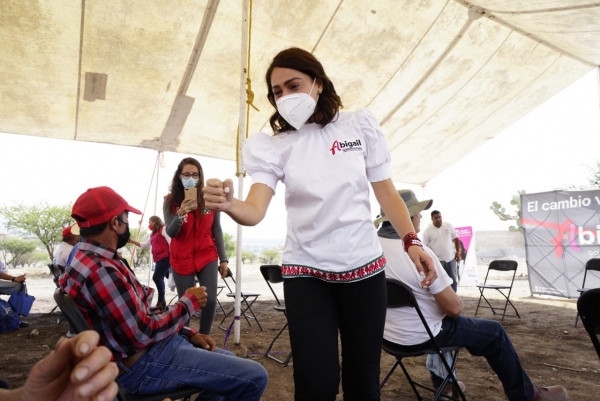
x=160 y=246
x=194 y=246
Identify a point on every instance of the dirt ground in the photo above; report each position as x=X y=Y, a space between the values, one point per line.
x=551 y=349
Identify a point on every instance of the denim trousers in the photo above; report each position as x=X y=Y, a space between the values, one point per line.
x=160 y=271
x=450 y=268
x=175 y=362
x=487 y=338
x=207 y=277
x=317 y=311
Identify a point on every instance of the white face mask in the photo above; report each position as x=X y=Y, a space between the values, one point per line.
x=297 y=108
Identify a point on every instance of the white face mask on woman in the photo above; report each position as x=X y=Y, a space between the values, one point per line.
x=297 y=108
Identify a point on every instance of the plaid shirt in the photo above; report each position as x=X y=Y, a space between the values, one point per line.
x=115 y=303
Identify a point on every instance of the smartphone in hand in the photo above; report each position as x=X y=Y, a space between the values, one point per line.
x=191 y=193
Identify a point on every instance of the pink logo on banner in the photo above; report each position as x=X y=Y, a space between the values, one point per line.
x=464 y=235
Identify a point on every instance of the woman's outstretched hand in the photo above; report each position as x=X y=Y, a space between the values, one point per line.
x=218 y=194
x=424 y=265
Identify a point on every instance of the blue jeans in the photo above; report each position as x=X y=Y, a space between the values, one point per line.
x=175 y=362
x=160 y=271
x=487 y=338
x=450 y=268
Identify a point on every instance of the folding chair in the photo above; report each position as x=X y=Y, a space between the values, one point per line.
x=498 y=265
x=248 y=299
x=78 y=323
x=587 y=306
x=56 y=272
x=272 y=275
x=400 y=295
x=592 y=264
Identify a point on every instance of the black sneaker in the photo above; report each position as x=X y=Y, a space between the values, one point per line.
x=24 y=324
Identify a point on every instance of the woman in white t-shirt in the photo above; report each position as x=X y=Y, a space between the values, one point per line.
x=332 y=261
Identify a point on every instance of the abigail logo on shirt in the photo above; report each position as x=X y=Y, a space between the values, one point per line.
x=346 y=146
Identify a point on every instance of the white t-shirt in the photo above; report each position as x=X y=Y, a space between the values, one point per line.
x=326 y=172
x=440 y=241
x=402 y=325
x=62 y=254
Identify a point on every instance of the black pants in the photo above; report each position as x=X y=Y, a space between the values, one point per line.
x=315 y=311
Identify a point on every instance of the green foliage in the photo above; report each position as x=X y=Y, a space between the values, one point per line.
x=594 y=178
x=516 y=216
x=141 y=256
x=248 y=257
x=32 y=259
x=44 y=221
x=269 y=256
x=17 y=248
x=230 y=247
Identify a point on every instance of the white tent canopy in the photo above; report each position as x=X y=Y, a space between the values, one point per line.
x=442 y=76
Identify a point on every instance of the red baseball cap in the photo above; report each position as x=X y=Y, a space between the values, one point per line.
x=99 y=205
x=71 y=230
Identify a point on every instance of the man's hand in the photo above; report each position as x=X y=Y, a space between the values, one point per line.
x=457 y=256
x=20 y=279
x=424 y=265
x=203 y=341
x=199 y=293
x=218 y=194
x=76 y=370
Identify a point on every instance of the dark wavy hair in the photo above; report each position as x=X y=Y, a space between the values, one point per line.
x=157 y=224
x=329 y=103
x=177 y=192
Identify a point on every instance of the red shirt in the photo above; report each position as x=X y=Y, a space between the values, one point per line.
x=194 y=246
x=160 y=246
x=115 y=303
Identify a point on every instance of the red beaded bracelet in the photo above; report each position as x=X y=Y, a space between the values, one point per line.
x=411 y=239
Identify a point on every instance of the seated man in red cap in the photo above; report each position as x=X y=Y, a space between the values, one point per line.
x=155 y=352
x=70 y=236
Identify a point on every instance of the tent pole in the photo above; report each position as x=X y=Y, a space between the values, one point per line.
x=157 y=167
x=241 y=137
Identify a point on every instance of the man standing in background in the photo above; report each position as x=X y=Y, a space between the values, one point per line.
x=442 y=239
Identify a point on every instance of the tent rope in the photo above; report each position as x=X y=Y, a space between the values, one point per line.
x=249 y=92
x=250 y=98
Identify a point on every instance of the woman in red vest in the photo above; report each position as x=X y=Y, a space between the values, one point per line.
x=197 y=243
x=159 y=240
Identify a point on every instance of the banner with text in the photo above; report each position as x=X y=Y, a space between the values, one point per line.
x=562 y=232
x=467 y=267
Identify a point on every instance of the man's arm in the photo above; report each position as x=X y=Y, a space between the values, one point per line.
x=449 y=302
x=456 y=248
x=18 y=279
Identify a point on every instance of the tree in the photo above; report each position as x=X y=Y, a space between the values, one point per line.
x=141 y=256
x=44 y=221
x=269 y=256
x=501 y=212
x=17 y=248
x=229 y=245
x=32 y=259
x=248 y=257
x=594 y=177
